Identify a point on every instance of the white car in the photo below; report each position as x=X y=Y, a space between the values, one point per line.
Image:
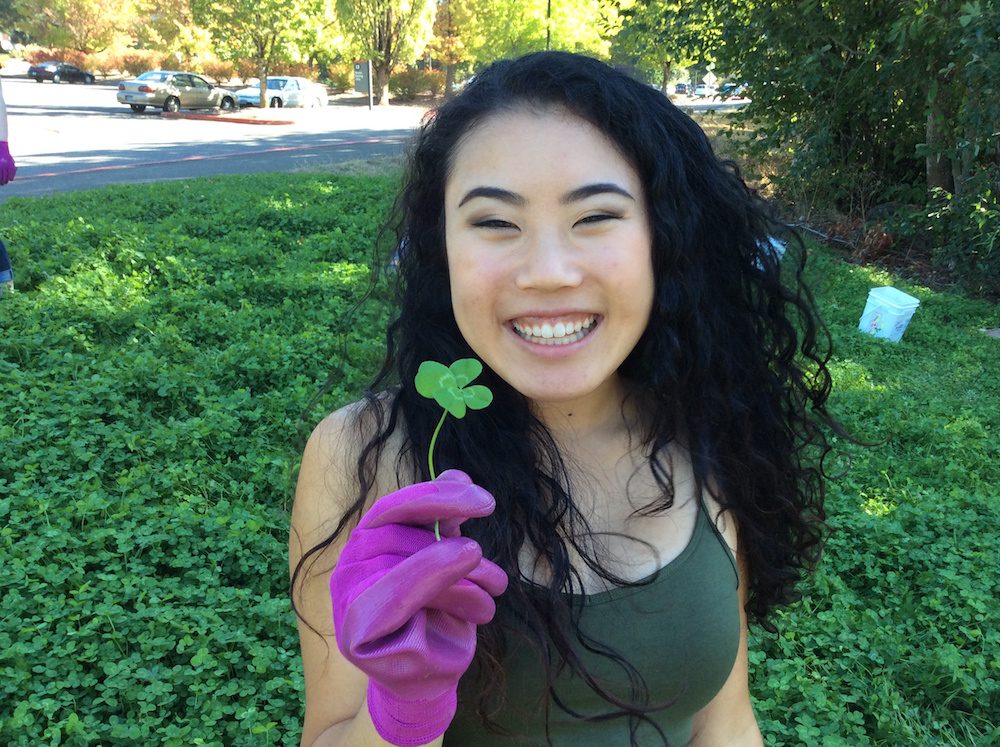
x=285 y=90
x=704 y=90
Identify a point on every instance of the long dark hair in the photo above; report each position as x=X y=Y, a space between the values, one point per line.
x=733 y=363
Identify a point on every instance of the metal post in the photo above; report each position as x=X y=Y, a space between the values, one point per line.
x=371 y=84
x=548 y=26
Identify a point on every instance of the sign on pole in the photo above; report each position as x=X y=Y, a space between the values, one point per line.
x=363 y=78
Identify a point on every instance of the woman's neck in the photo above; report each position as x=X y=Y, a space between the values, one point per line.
x=605 y=413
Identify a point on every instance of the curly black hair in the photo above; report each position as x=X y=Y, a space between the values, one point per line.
x=733 y=361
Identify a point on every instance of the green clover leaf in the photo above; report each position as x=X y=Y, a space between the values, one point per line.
x=448 y=386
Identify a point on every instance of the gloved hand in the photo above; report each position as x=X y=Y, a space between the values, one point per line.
x=7 y=167
x=406 y=606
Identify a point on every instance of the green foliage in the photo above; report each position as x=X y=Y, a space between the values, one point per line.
x=658 y=35
x=156 y=359
x=388 y=32
x=857 y=104
x=964 y=230
x=257 y=30
x=165 y=341
x=895 y=641
x=413 y=82
x=82 y=25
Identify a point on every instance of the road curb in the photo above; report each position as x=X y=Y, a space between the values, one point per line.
x=225 y=118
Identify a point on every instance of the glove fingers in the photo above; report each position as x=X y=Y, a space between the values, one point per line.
x=392 y=600
x=465 y=601
x=397 y=541
x=490 y=577
x=427 y=502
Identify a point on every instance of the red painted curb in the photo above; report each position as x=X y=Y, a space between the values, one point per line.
x=224 y=118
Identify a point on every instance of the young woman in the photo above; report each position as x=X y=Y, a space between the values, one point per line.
x=641 y=484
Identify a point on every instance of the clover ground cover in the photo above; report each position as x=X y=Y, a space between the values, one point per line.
x=155 y=370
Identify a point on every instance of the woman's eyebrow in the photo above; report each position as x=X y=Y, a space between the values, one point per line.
x=512 y=198
x=589 y=190
x=504 y=195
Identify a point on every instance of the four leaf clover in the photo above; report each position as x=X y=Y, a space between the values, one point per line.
x=447 y=385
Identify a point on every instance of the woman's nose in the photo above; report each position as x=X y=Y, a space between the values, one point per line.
x=550 y=262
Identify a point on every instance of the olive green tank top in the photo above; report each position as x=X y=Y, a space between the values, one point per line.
x=680 y=631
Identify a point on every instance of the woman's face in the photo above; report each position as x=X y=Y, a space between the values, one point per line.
x=549 y=252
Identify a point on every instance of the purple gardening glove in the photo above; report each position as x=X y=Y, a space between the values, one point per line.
x=7 y=167
x=406 y=606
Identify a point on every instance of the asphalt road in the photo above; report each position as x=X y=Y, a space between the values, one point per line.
x=70 y=137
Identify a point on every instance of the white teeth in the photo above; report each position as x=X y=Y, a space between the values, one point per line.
x=560 y=333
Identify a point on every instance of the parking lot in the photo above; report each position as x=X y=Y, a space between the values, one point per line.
x=72 y=136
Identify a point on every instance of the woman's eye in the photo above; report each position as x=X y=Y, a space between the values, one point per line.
x=493 y=223
x=596 y=218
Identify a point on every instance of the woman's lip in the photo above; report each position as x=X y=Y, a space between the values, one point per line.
x=553 y=317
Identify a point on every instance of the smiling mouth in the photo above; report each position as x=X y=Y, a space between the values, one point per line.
x=560 y=333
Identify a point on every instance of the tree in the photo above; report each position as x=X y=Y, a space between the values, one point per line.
x=873 y=95
x=389 y=32
x=481 y=31
x=447 y=43
x=259 y=30
x=663 y=34
x=84 y=25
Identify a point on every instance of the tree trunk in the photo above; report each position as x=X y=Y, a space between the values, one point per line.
x=380 y=86
x=667 y=65
x=449 y=80
x=262 y=77
x=938 y=165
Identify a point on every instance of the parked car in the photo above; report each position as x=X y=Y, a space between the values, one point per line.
x=285 y=90
x=681 y=89
x=171 y=90
x=732 y=90
x=703 y=90
x=59 y=71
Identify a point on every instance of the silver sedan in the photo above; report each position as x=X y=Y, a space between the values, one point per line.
x=172 y=90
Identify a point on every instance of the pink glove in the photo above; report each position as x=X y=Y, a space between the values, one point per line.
x=406 y=607
x=7 y=167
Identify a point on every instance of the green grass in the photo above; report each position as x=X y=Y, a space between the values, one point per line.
x=165 y=341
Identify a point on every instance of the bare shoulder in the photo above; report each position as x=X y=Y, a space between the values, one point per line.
x=328 y=485
x=724 y=520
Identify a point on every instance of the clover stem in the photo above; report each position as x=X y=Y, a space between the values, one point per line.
x=430 y=466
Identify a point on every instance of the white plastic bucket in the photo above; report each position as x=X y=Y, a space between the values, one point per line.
x=887 y=313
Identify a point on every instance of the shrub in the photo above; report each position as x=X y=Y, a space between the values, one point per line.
x=301 y=69
x=412 y=82
x=221 y=71
x=963 y=231
x=341 y=76
x=137 y=61
x=103 y=63
x=35 y=54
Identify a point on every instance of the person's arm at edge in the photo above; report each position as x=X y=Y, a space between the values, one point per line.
x=336 y=711
x=3 y=116
x=728 y=720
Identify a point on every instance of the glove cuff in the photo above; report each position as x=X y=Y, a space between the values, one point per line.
x=408 y=723
x=4 y=149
